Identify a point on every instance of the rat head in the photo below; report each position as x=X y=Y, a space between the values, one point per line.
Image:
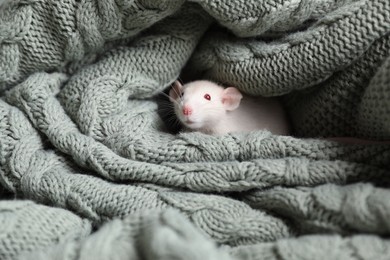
x=202 y=104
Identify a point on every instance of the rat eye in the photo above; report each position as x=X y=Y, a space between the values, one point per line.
x=181 y=94
x=207 y=96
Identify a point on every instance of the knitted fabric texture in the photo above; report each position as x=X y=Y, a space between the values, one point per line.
x=94 y=174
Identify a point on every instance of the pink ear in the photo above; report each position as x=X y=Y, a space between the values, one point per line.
x=231 y=98
x=175 y=91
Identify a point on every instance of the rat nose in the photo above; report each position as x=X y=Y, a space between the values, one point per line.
x=187 y=110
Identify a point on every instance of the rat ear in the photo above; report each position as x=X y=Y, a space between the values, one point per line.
x=175 y=91
x=231 y=98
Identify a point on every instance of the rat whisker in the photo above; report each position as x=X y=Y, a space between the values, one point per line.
x=170 y=98
x=174 y=121
x=166 y=110
x=178 y=94
x=180 y=80
x=244 y=113
x=166 y=102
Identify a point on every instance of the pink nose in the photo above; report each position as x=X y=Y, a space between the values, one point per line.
x=187 y=110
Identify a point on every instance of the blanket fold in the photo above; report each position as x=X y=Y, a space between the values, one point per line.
x=95 y=174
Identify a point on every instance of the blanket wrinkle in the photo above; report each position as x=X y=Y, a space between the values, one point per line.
x=348 y=210
x=343 y=97
x=93 y=174
x=298 y=65
x=317 y=247
x=161 y=235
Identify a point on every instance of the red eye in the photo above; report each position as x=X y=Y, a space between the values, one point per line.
x=207 y=96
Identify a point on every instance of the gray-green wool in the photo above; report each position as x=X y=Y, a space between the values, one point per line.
x=93 y=173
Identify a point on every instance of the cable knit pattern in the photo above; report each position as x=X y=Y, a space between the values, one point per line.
x=75 y=28
x=298 y=60
x=161 y=235
x=94 y=175
x=374 y=108
x=317 y=247
x=27 y=227
x=341 y=96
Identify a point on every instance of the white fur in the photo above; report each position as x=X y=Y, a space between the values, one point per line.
x=212 y=117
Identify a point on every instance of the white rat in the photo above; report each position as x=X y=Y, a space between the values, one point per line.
x=207 y=107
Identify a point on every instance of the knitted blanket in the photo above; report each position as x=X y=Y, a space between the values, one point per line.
x=88 y=169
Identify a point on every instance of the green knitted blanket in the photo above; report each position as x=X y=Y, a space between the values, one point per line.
x=89 y=171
